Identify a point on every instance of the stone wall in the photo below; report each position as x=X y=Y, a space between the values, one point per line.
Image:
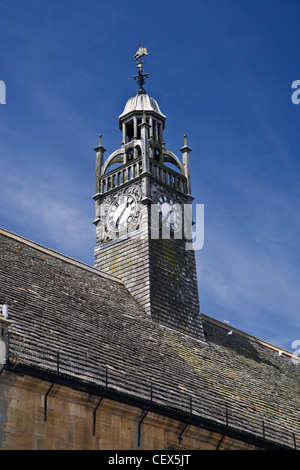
x=159 y=273
x=69 y=422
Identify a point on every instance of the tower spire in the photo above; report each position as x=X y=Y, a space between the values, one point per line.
x=141 y=77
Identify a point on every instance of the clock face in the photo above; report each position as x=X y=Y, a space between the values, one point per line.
x=122 y=213
x=170 y=212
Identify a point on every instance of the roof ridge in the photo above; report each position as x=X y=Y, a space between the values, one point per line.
x=56 y=254
x=246 y=335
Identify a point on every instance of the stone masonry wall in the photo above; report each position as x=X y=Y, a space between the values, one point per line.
x=159 y=273
x=174 y=288
x=69 y=423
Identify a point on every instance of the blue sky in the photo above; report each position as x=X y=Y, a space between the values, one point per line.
x=221 y=71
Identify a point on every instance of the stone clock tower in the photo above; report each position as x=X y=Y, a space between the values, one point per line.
x=142 y=194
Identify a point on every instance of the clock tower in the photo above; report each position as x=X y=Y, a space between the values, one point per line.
x=142 y=198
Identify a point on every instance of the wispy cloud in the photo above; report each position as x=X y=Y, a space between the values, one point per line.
x=247 y=271
x=45 y=200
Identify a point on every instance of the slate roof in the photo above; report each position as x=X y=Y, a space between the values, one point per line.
x=57 y=305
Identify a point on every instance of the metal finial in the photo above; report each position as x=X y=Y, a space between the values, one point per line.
x=141 y=77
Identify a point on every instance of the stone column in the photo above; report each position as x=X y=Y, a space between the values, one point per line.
x=144 y=126
x=123 y=133
x=151 y=127
x=185 y=150
x=99 y=162
x=135 y=133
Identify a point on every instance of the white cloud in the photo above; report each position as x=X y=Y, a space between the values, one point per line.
x=247 y=270
x=47 y=201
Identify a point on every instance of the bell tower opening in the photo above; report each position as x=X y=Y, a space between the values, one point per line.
x=129 y=131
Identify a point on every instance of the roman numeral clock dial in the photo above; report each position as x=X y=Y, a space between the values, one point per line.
x=170 y=214
x=121 y=213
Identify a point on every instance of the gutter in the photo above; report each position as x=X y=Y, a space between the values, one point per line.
x=144 y=404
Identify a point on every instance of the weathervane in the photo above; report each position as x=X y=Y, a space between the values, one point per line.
x=141 y=77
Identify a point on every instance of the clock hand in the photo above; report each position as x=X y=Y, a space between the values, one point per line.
x=121 y=215
x=168 y=214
